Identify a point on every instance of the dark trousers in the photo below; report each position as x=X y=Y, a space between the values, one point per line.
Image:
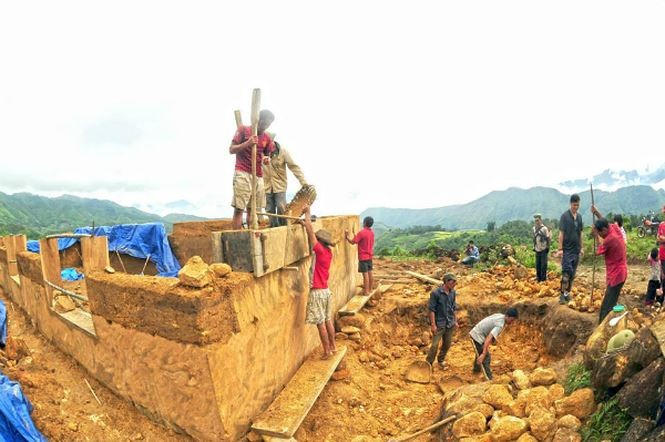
x=569 y=263
x=541 y=265
x=447 y=335
x=276 y=203
x=651 y=292
x=478 y=349
x=610 y=300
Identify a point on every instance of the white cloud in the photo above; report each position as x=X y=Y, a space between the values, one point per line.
x=383 y=103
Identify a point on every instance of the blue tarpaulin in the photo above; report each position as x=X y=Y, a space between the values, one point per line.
x=3 y=324
x=137 y=240
x=16 y=425
x=71 y=274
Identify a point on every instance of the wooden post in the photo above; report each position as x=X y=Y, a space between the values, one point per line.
x=50 y=257
x=238 y=119
x=593 y=272
x=256 y=104
x=95 y=251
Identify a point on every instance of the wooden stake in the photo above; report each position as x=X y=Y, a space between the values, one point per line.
x=92 y=391
x=238 y=118
x=256 y=104
x=593 y=272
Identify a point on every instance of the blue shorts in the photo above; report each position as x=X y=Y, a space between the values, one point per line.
x=569 y=262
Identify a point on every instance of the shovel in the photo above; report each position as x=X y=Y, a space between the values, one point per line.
x=419 y=371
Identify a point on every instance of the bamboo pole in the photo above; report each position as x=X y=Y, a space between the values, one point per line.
x=256 y=104
x=593 y=272
x=238 y=119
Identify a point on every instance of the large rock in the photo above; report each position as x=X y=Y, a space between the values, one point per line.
x=640 y=395
x=195 y=273
x=542 y=423
x=566 y=435
x=472 y=424
x=464 y=404
x=486 y=410
x=498 y=396
x=565 y=329
x=527 y=437
x=220 y=269
x=357 y=320
x=520 y=380
x=581 y=404
x=656 y=435
x=16 y=348
x=515 y=408
x=542 y=376
x=62 y=303
x=638 y=429
x=482 y=438
x=507 y=429
x=556 y=391
x=596 y=345
x=533 y=397
x=569 y=421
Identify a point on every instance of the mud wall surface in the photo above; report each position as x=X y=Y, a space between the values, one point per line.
x=193 y=238
x=30 y=266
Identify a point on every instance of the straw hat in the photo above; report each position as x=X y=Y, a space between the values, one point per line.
x=325 y=237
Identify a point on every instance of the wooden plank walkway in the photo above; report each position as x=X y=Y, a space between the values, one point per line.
x=358 y=302
x=293 y=403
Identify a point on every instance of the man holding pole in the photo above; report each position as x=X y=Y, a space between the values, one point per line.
x=241 y=147
x=613 y=248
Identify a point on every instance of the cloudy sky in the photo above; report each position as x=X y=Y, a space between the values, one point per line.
x=383 y=103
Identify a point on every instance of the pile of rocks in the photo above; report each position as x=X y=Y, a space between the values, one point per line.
x=528 y=408
x=197 y=274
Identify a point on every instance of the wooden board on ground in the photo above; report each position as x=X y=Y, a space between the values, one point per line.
x=358 y=302
x=424 y=278
x=293 y=403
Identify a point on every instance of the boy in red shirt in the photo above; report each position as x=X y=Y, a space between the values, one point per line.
x=241 y=147
x=365 y=241
x=319 y=302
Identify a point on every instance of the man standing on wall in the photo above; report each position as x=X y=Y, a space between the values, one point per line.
x=541 y=245
x=613 y=248
x=365 y=241
x=241 y=147
x=443 y=321
x=275 y=180
x=570 y=246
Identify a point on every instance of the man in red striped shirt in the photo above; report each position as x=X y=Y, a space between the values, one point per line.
x=365 y=241
x=241 y=147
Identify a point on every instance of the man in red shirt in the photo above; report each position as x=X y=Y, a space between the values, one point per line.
x=613 y=247
x=241 y=147
x=319 y=302
x=365 y=241
x=661 y=239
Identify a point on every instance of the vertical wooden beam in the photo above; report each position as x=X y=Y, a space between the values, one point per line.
x=95 y=253
x=256 y=105
x=51 y=267
x=238 y=118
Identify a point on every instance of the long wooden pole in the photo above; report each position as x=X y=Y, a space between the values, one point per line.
x=424 y=430
x=238 y=117
x=256 y=104
x=593 y=272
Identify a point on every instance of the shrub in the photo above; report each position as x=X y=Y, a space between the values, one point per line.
x=577 y=377
x=609 y=422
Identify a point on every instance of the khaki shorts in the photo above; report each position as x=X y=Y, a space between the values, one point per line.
x=319 y=306
x=242 y=191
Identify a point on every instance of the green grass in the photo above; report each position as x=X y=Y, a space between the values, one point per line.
x=577 y=377
x=610 y=422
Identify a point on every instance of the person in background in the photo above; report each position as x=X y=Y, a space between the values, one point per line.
x=570 y=246
x=654 y=289
x=618 y=220
x=241 y=147
x=661 y=240
x=472 y=254
x=442 y=318
x=365 y=241
x=484 y=333
x=541 y=245
x=275 y=181
x=319 y=302
x=613 y=248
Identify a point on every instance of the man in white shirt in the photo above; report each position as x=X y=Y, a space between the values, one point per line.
x=484 y=333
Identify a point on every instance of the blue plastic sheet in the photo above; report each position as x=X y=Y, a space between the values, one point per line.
x=3 y=323
x=137 y=240
x=71 y=274
x=16 y=425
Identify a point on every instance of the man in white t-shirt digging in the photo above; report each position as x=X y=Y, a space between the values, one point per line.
x=484 y=333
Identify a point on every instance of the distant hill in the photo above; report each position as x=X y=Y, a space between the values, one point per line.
x=520 y=204
x=38 y=215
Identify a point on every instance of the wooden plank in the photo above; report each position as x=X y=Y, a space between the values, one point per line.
x=237 y=250
x=357 y=302
x=424 y=278
x=50 y=258
x=15 y=244
x=269 y=250
x=291 y=406
x=79 y=318
x=217 y=249
x=95 y=253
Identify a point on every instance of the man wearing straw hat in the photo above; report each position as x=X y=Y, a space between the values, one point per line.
x=319 y=302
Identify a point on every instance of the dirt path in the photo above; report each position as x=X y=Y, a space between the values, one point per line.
x=64 y=407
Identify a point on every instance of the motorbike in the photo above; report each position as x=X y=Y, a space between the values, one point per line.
x=648 y=227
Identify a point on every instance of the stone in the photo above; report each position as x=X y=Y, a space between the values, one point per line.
x=638 y=429
x=508 y=429
x=355 y=337
x=486 y=409
x=341 y=336
x=656 y=435
x=482 y=438
x=581 y=404
x=542 y=423
x=472 y=424
x=340 y=375
x=62 y=303
x=464 y=405
x=638 y=395
x=16 y=348
x=536 y=396
x=195 y=273
x=542 y=376
x=527 y=437
x=357 y=320
x=497 y=396
x=72 y=426
x=521 y=380
x=515 y=408
x=566 y=435
x=350 y=329
x=569 y=421
x=220 y=269
x=557 y=392
x=109 y=269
